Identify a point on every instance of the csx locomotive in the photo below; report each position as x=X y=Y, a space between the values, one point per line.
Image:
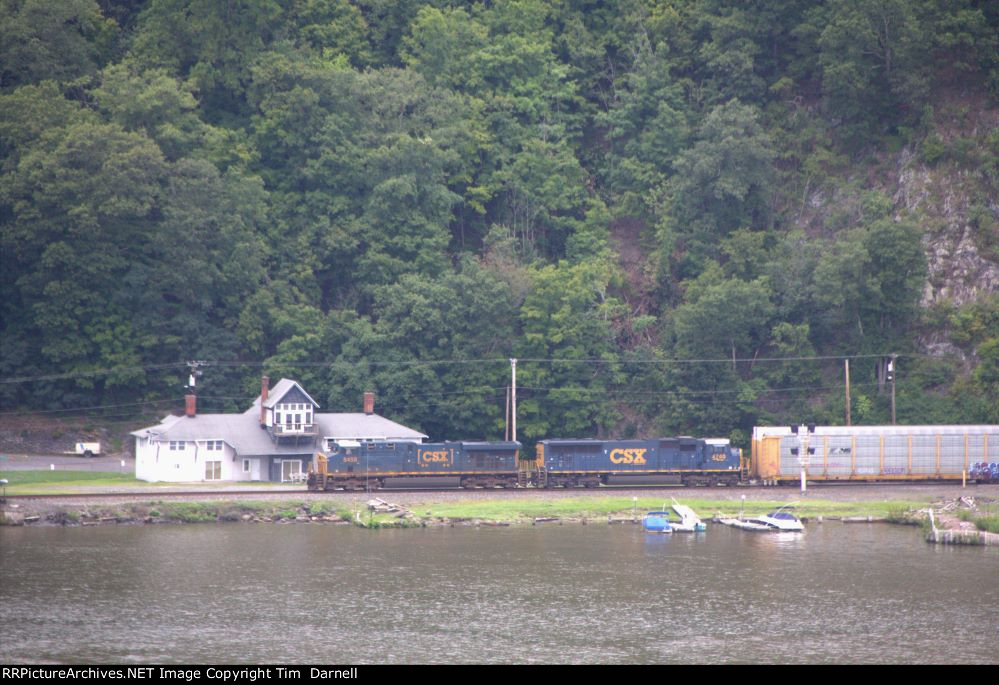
x=591 y=463
x=376 y=464
x=556 y=463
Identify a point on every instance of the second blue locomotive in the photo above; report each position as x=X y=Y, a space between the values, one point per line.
x=591 y=463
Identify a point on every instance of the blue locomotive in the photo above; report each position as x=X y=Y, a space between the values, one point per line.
x=556 y=463
x=377 y=464
x=681 y=460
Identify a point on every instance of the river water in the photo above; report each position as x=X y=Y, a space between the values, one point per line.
x=241 y=593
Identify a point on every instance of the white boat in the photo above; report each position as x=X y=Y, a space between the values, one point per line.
x=686 y=527
x=743 y=525
x=780 y=520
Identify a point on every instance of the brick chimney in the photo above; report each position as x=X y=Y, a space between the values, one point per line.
x=369 y=403
x=264 y=387
x=190 y=406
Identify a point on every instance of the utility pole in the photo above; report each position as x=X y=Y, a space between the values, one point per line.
x=506 y=433
x=513 y=397
x=891 y=378
x=196 y=373
x=846 y=363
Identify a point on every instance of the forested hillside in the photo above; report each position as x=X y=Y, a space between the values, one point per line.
x=681 y=216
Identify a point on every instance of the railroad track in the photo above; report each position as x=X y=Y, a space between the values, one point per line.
x=496 y=492
x=201 y=494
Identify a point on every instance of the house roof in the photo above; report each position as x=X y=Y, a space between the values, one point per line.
x=244 y=434
x=280 y=389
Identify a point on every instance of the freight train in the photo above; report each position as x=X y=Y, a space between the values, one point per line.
x=556 y=463
x=828 y=453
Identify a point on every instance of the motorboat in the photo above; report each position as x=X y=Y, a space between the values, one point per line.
x=781 y=519
x=657 y=522
x=687 y=527
x=742 y=525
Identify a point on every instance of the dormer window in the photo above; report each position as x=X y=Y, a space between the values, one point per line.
x=293 y=414
x=288 y=411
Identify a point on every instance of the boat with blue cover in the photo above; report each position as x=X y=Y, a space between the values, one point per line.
x=657 y=522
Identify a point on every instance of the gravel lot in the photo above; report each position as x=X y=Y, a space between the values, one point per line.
x=65 y=462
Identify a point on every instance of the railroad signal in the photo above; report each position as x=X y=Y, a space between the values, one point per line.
x=803 y=432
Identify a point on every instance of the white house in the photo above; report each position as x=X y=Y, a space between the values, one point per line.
x=273 y=440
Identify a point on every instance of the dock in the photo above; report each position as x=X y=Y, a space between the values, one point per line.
x=739 y=523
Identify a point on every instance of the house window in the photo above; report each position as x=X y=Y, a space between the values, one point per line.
x=213 y=470
x=291 y=470
x=177 y=445
x=246 y=466
x=214 y=446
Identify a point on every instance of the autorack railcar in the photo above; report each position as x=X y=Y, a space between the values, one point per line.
x=873 y=453
x=681 y=460
x=373 y=465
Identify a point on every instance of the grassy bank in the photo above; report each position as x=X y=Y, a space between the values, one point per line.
x=521 y=510
x=611 y=506
x=47 y=482
x=986 y=521
x=159 y=511
x=63 y=482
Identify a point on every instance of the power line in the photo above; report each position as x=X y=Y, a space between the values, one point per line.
x=81 y=409
x=444 y=362
x=91 y=373
x=625 y=391
x=401 y=400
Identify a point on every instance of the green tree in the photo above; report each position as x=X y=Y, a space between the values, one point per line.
x=28 y=113
x=118 y=257
x=332 y=27
x=40 y=40
x=866 y=289
x=167 y=111
x=647 y=126
x=873 y=67
x=722 y=183
x=435 y=351
x=213 y=43
x=723 y=317
x=77 y=192
x=568 y=314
